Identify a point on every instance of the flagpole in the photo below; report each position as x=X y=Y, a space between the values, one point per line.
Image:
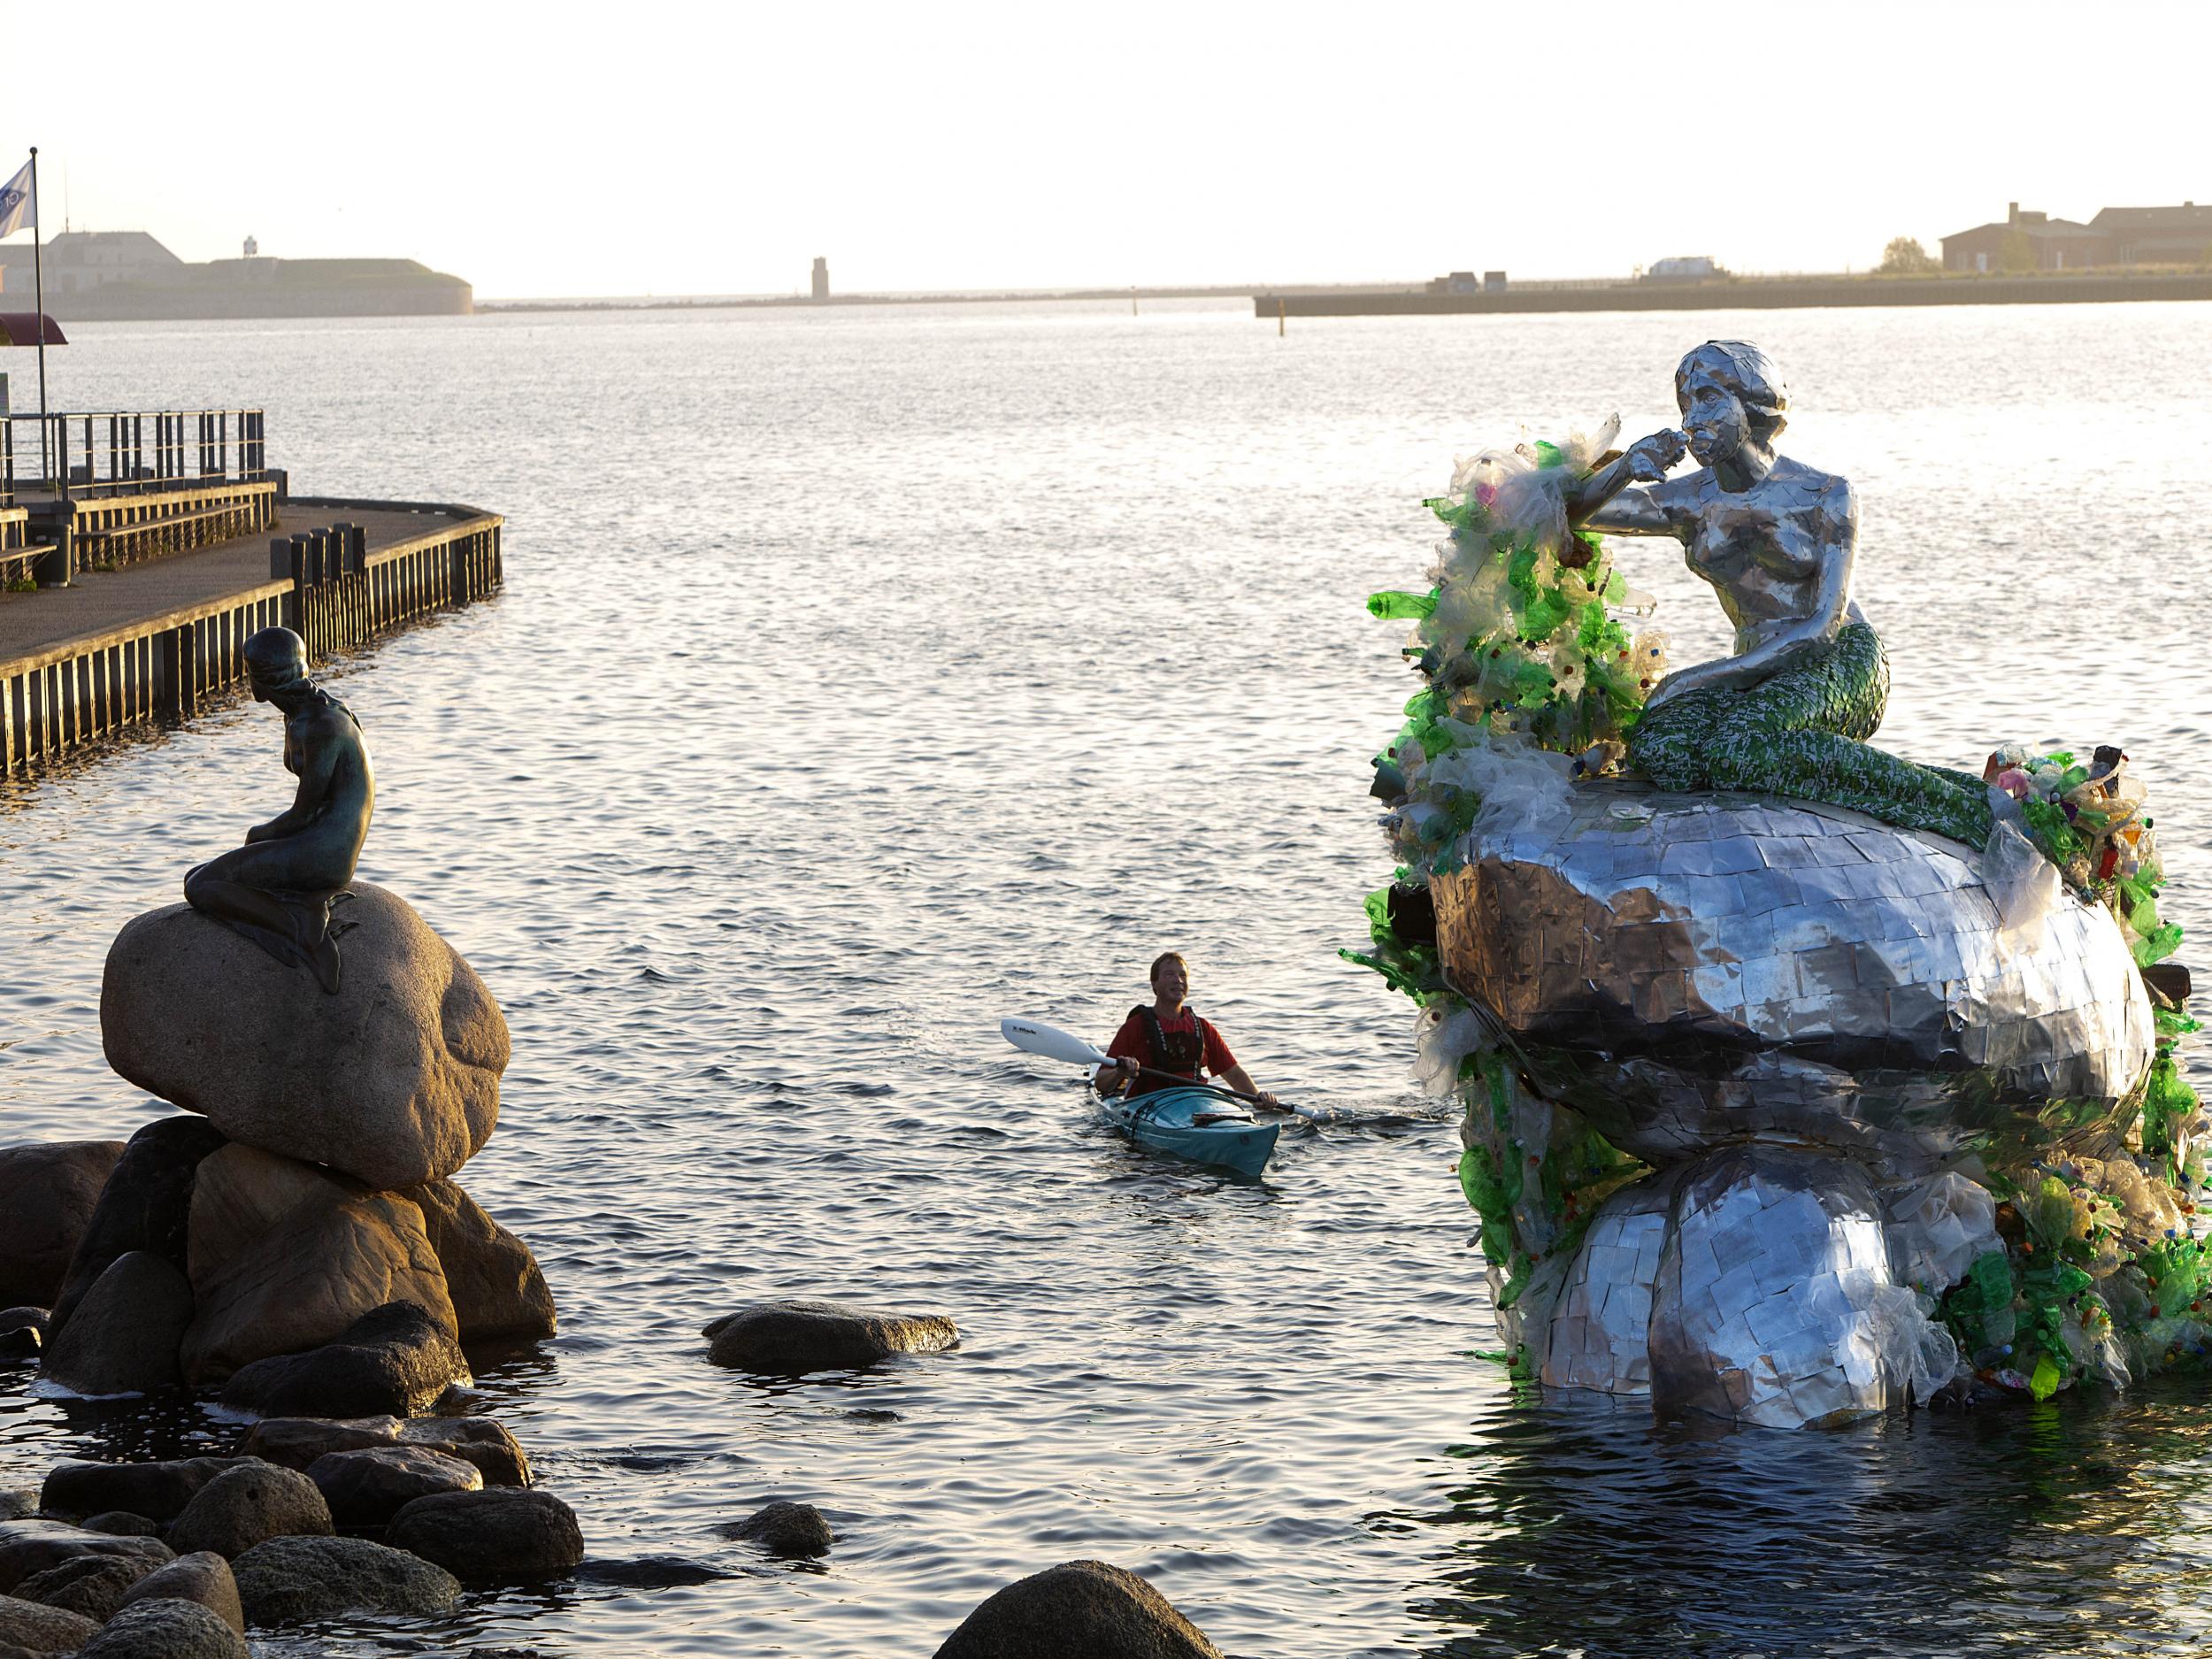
x=38 y=291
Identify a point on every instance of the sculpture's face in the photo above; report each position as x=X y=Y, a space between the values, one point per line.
x=1713 y=417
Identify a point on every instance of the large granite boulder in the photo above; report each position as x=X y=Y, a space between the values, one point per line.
x=157 y=1490
x=1686 y=970
x=368 y=1486
x=790 y=1338
x=393 y=1361
x=123 y=1336
x=395 y=1080
x=483 y=1442
x=143 y=1205
x=94 y=1585
x=497 y=1291
x=291 y=1578
x=1080 y=1610
x=285 y=1258
x=48 y=1192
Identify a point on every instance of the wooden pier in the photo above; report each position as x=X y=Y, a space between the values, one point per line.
x=185 y=570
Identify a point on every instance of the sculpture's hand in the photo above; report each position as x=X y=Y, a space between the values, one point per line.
x=1650 y=458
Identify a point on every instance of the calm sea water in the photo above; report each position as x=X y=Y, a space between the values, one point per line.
x=867 y=676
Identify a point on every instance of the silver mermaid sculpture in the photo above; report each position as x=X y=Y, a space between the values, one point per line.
x=1790 y=711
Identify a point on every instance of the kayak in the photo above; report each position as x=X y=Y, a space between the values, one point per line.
x=1173 y=1120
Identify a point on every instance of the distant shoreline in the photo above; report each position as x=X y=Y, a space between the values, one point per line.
x=753 y=302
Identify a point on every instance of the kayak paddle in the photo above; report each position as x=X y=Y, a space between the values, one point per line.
x=1055 y=1044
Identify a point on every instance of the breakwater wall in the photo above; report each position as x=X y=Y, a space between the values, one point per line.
x=1745 y=295
x=374 y=567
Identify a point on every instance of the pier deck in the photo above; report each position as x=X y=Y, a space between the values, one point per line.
x=145 y=642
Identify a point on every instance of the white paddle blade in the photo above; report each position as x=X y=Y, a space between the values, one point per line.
x=1031 y=1037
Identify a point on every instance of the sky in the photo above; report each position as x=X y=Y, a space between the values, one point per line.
x=652 y=148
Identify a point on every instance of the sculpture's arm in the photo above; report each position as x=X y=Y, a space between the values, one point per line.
x=1605 y=500
x=1840 y=541
x=308 y=803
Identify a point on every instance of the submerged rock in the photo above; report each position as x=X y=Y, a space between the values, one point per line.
x=502 y=1535
x=783 y=1528
x=790 y=1338
x=497 y=1291
x=243 y=1506
x=123 y=1337
x=143 y=1205
x=367 y=1487
x=395 y=1080
x=48 y=1191
x=289 y=1579
x=1081 y=1610
x=166 y=1628
x=203 y=1577
x=392 y=1361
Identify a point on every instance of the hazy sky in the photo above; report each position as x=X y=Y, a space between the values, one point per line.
x=650 y=147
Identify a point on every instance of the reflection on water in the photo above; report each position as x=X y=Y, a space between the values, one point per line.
x=867 y=676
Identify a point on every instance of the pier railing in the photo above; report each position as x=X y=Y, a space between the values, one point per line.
x=88 y=454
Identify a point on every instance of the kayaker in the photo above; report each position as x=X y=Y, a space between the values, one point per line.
x=1170 y=1037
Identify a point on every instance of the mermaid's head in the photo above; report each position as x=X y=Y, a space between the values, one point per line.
x=1728 y=391
x=276 y=661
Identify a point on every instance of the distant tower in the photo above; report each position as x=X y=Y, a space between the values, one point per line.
x=821 y=278
x=252 y=247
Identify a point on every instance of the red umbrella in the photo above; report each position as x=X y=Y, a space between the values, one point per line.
x=22 y=328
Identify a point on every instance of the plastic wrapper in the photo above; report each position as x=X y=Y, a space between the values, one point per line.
x=1939 y=1228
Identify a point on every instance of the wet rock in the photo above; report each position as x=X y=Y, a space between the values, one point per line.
x=30 y=1547
x=94 y=1585
x=203 y=1577
x=483 y=1441
x=22 y=1333
x=1081 y=1610
x=790 y=1338
x=123 y=1337
x=123 y=1523
x=157 y=1490
x=786 y=1529
x=47 y=1195
x=392 y=1361
x=291 y=1578
x=243 y=1506
x=502 y=1535
x=166 y=1627
x=143 y=1206
x=651 y=1572
x=296 y=1442
x=40 y=1629
x=367 y=1487
x=395 y=1080
x=497 y=1291
x=16 y=1502
x=284 y=1258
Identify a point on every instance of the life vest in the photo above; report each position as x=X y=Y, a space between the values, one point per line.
x=1177 y=1052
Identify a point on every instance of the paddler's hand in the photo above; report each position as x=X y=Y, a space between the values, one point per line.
x=1267 y=1102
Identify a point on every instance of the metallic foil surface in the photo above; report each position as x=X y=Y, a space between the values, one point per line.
x=1688 y=970
x=1598 y=1337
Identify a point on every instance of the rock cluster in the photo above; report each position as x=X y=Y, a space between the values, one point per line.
x=299 y=1237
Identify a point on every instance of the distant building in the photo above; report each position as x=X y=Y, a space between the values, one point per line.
x=2116 y=236
x=1494 y=282
x=123 y=274
x=1455 y=282
x=1684 y=268
x=821 y=278
x=79 y=261
x=252 y=247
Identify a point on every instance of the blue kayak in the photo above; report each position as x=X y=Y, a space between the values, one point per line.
x=1196 y=1123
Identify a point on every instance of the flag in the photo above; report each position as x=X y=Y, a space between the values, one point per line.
x=19 y=203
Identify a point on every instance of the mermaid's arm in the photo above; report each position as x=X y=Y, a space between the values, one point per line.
x=307 y=804
x=1608 y=499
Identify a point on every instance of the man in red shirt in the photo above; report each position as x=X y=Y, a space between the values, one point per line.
x=1169 y=1037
